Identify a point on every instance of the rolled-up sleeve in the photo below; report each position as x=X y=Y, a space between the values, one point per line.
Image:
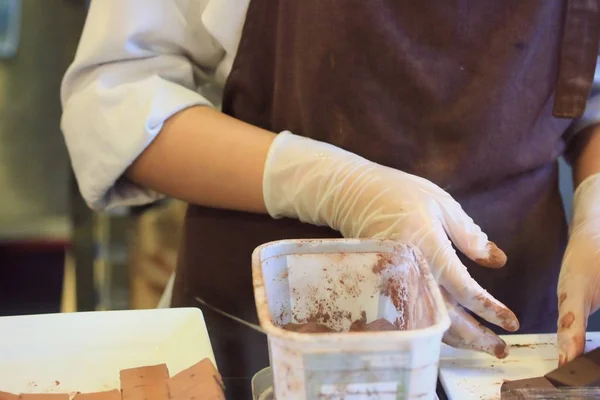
x=592 y=111
x=138 y=63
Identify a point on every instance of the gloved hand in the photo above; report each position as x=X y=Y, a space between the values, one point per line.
x=579 y=280
x=323 y=185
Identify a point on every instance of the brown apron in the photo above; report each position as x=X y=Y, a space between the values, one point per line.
x=460 y=92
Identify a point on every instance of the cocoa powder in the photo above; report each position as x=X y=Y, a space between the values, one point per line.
x=308 y=327
x=400 y=280
x=379 y=325
x=349 y=283
x=495 y=259
x=396 y=291
x=566 y=321
x=562 y=298
x=360 y=325
x=383 y=262
x=401 y=324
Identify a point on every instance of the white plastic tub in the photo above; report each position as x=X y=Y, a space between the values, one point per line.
x=333 y=282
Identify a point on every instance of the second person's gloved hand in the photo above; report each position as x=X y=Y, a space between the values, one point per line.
x=579 y=281
x=324 y=185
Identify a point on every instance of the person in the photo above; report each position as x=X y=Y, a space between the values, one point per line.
x=387 y=119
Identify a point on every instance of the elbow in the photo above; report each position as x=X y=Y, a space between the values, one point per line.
x=106 y=128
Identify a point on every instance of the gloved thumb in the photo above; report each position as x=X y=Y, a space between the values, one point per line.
x=468 y=237
x=573 y=313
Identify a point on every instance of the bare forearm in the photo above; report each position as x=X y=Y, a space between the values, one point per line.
x=588 y=162
x=208 y=158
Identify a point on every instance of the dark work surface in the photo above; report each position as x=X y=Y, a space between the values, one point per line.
x=594 y=323
x=31 y=280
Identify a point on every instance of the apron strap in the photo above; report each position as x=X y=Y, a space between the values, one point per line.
x=579 y=52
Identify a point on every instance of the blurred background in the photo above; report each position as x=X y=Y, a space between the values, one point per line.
x=55 y=254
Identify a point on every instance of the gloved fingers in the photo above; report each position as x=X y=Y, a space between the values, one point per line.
x=454 y=277
x=469 y=238
x=467 y=333
x=574 y=306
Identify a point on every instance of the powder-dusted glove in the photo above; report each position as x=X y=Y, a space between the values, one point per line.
x=579 y=281
x=324 y=185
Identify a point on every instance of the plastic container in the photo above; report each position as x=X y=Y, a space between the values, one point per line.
x=335 y=282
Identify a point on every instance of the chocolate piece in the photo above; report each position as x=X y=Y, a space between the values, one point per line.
x=8 y=396
x=44 y=396
x=531 y=383
x=359 y=324
x=584 y=371
x=109 y=395
x=141 y=376
x=204 y=371
x=380 y=324
x=154 y=391
x=309 y=327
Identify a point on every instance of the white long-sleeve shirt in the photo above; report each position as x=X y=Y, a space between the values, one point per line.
x=138 y=63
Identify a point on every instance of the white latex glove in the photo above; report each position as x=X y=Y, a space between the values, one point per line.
x=579 y=281
x=323 y=185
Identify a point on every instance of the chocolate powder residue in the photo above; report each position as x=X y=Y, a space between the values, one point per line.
x=579 y=342
x=359 y=325
x=403 y=288
x=384 y=261
x=530 y=345
x=324 y=313
x=496 y=257
x=525 y=346
x=379 y=325
x=500 y=351
x=282 y=316
x=567 y=320
x=324 y=310
x=401 y=324
x=508 y=318
x=397 y=293
x=562 y=298
x=308 y=327
x=350 y=284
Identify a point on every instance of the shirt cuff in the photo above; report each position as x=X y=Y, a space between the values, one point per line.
x=590 y=117
x=106 y=129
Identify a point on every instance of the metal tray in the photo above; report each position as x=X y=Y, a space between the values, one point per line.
x=262 y=385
